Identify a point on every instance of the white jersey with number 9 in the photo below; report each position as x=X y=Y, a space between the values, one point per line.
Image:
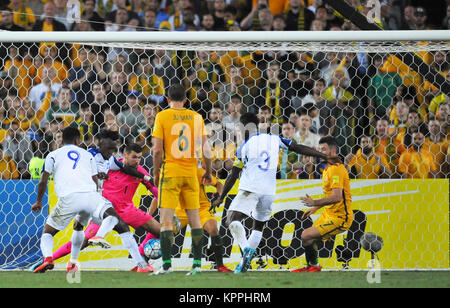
x=73 y=168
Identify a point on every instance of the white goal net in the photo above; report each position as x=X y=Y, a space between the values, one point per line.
x=382 y=95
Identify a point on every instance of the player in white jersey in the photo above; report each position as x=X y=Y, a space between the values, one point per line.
x=106 y=161
x=257 y=159
x=74 y=171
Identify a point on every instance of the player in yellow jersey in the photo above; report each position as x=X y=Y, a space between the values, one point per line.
x=207 y=219
x=179 y=139
x=337 y=216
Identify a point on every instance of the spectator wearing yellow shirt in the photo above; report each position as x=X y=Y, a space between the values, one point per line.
x=204 y=79
x=22 y=113
x=85 y=124
x=49 y=53
x=8 y=169
x=398 y=124
x=146 y=81
x=19 y=70
x=387 y=145
x=448 y=163
x=434 y=105
x=366 y=164
x=440 y=64
x=49 y=23
x=23 y=15
x=416 y=162
x=7 y=21
x=437 y=144
x=275 y=6
x=413 y=125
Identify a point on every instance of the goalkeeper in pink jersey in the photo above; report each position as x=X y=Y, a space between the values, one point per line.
x=119 y=188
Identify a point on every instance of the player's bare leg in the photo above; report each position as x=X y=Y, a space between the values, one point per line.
x=309 y=238
x=152 y=226
x=210 y=227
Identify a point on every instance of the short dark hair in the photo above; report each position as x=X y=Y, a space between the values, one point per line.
x=362 y=137
x=230 y=9
x=177 y=93
x=265 y=107
x=133 y=147
x=70 y=134
x=249 y=117
x=237 y=96
x=108 y=134
x=85 y=105
x=331 y=141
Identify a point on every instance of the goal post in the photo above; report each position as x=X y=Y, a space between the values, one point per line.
x=391 y=120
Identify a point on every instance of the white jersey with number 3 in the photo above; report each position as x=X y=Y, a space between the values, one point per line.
x=258 y=158
x=73 y=168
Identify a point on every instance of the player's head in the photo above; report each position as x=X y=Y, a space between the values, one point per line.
x=328 y=145
x=71 y=135
x=132 y=155
x=177 y=93
x=107 y=143
x=250 y=122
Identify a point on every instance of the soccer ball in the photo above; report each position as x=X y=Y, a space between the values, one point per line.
x=371 y=242
x=152 y=249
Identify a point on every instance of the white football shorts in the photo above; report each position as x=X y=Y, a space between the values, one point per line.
x=82 y=205
x=252 y=204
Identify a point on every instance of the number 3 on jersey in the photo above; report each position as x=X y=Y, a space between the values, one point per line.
x=264 y=166
x=75 y=156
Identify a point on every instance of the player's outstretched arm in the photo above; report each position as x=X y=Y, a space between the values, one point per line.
x=308 y=151
x=42 y=188
x=229 y=183
x=335 y=197
x=134 y=172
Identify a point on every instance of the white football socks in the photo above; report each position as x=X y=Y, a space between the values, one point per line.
x=130 y=244
x=238 y=232
x=47 y=245
x=254 y=239
x=107 y=225
x=77 y=242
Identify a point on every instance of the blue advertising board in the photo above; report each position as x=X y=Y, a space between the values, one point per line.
x=20 y=228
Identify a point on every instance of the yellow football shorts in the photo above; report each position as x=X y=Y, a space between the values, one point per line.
x=329 y=226
x=179 y=190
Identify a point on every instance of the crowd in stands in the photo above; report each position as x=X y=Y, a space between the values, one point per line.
x=389 y=121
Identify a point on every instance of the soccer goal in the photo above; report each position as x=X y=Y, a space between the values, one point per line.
x=382 y=94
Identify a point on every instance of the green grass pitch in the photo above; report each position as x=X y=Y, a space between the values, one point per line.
x=207 y=279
